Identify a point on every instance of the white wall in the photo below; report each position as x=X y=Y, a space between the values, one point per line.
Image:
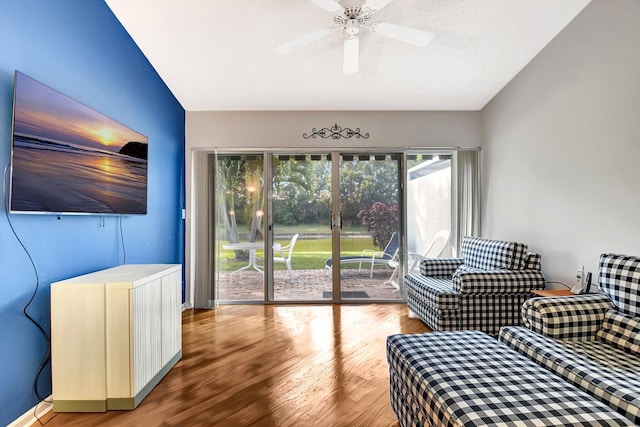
x=561 y=145
x=206 y=131
x=284 y=129
x=428 y=210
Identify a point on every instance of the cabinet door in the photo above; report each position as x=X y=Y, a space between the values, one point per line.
x=171 y=315
x=117 y=331
x=147 y=333
x=77 y=342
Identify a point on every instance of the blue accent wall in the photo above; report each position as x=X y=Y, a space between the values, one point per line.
x=79 y=48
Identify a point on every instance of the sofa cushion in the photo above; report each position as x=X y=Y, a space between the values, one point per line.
x=493 y=254
x=569 y=318
x=601 y=370
x=620 y=279
x=621 y=331
x=478 y=282
x=464 y=268
x=533 y=261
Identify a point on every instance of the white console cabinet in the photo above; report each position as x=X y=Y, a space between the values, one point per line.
x=115 y=334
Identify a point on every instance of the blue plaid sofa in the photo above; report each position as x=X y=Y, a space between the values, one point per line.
x=483 y=290
x=591 y=341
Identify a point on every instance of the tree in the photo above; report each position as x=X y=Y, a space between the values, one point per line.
x=299 y=190
x=228 y=173
x=240 y=197
x=365 y=182
x=381 y=222
x=254 y=196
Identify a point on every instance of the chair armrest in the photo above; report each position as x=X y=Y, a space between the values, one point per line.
x=482 y=282
x=371 y=253
x=439 y=268
x=570 y=318
x=414 y=261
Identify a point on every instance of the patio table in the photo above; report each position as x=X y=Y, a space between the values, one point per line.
x=251 y=247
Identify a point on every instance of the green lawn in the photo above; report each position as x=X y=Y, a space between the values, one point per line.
x=307 y=253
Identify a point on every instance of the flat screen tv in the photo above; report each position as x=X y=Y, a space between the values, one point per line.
x=69 y=159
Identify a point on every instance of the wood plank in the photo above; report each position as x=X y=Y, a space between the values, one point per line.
x=255 y=365
x=552 y=293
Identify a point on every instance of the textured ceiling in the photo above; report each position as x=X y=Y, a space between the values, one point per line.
x=219 y=55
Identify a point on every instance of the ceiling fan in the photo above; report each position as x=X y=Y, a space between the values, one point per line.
x=351 y=19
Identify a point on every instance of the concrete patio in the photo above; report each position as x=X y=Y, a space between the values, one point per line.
x=308 y=285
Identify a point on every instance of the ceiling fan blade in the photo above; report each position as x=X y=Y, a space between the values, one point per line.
x=350 y=62
x=375 y=5
x=295 y=44
x=400 y=32
x=330 y=6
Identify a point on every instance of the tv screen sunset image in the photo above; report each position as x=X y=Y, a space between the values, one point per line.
x=68 y=158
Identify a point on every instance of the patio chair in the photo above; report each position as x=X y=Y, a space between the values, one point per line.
x=435 y=249
x=279 y=255
x=370 y=256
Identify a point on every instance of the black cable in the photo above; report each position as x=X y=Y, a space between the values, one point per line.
x=47 y=356
x=35 y=415
x=124 y=249
x=558 y=283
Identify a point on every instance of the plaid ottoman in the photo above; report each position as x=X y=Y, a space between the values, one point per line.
x=467 y=378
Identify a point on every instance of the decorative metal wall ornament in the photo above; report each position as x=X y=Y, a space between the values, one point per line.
x=335 y=132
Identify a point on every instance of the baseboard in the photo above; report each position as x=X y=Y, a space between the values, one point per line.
x=30 y=417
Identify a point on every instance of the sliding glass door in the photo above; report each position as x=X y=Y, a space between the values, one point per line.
x=428 y=207
x=327 y=229
x=368 y=218
x=286 y=227
x=238 y=210
x=300 y=212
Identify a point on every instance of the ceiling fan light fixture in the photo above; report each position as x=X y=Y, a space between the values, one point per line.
x=350 y=62
x=351 y=28
x=352 y=14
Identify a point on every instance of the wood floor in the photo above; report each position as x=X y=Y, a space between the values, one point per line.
x=255 y=365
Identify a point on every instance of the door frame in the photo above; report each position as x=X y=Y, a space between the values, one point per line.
x=200 y=180
x=336 y=220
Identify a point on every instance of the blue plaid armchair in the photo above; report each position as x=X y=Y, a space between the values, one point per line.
x=483 y=290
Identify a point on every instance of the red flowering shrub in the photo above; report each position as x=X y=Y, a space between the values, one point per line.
x=381 y=222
